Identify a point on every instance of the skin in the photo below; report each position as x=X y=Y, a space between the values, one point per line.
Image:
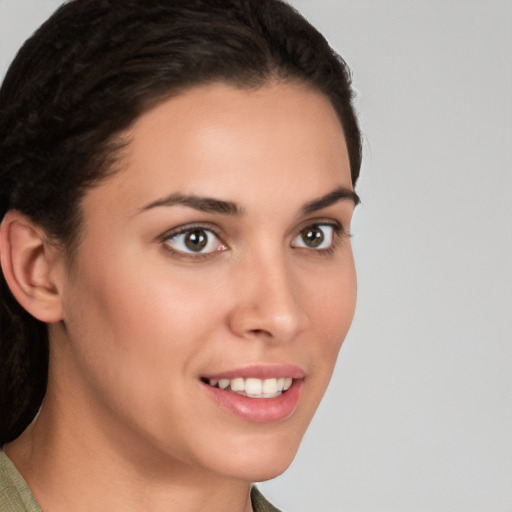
x=126 y=423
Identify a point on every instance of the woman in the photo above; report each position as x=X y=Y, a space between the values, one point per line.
x=177 y=185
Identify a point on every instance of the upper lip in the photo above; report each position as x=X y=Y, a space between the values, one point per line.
x=264 y=371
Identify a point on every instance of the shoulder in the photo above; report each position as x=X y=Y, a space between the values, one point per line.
x=15 y=496
x=259 y=503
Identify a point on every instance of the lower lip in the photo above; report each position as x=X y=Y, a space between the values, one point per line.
x=260 y=410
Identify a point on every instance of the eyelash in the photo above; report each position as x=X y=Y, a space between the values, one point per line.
x=338 y=233
x=190 y=228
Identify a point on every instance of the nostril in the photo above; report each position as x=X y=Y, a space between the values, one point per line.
x=260 y=332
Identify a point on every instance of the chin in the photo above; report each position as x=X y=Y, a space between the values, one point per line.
x=262 y=460
x=273 y=470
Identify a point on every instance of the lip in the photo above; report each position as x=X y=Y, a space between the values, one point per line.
x=260 y=372
x=259 y=410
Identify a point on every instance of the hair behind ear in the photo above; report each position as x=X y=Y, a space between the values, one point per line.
x=23 y=365
x=26 y=264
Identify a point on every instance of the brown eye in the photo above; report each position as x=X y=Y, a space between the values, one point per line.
x=317 y=236
x=313 y=237
x=195 y=241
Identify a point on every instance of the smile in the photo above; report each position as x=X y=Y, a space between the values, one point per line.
x=253 y=387
x=261 y=393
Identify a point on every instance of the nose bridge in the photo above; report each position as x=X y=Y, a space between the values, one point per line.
x=269 y=302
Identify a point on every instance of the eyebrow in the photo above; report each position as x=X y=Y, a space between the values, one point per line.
x=203 y=204
x=211 y=205
x=340 y=194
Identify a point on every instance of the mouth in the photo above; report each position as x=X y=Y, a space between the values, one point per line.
x=252 y=387
x=259 y=393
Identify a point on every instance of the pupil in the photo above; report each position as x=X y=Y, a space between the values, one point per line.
x=313 y=237
x=196 y=240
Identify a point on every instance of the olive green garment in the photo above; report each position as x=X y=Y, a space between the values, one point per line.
x=15 y=496
x=259 y=503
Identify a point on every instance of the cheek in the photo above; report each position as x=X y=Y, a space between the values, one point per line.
x=143 y=325
x=137 y=311
x=331 y=310
x=332 y=295
x=137 y=334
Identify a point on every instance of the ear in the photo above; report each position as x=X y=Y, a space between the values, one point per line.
x=31 y=266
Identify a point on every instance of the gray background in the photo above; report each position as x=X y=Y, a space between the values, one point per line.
x=419 y=413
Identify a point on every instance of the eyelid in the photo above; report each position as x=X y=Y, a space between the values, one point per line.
x=339 y=233
x=186 y=228
x=336 y=224
x=338 y=228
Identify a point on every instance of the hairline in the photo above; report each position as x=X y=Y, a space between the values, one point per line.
x=114 y=156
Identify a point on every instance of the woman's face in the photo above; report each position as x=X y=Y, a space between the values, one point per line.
x=217 y=256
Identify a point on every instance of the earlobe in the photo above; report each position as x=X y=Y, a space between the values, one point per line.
x=29 y=265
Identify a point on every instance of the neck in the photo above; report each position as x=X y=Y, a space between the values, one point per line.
x=71 y=465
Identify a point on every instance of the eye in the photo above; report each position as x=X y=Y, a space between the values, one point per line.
x=317 y=236
x=195 y=241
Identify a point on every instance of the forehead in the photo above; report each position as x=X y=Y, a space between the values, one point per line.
x=237 y=144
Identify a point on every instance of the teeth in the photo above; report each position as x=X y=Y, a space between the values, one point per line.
x=269 y=386
x=237 y=384
x=254 y=388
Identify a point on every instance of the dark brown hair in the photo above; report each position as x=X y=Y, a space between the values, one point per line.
x=84 y=77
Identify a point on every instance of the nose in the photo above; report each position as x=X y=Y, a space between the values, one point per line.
x=268 y=303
